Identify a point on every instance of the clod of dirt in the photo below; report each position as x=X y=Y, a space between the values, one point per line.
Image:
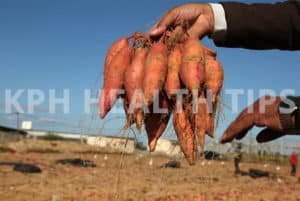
x=172 y=164
x=255 y=173
x=24 y=168
x=76 y=162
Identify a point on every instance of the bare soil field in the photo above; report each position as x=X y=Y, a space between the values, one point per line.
x=138 y=177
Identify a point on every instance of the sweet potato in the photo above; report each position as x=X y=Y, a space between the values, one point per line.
x=113 y=50
x=188 y=109
x=133 y=84
x=155 y=71
x=210 y=127
x=214 y=77
x=139 y=118
x=209 y=52
x=132 y=118
x=173 y=81
x=175 y=37
x=185 y=134
x=193 y=61
x=201 y=120
x=129 y=117
x=113 y=80
x=134 y=73
x=156 y=123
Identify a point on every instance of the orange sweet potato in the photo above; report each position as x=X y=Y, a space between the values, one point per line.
x=173 y=81
x=201 y=120
x=129 y=120
x=113 y=51
x=193 y=61
x=210 y=127
x=133 y=84
x=134 y=74
x=188 y=109
x=113 y=80
x=185 y=134
x=214 y=77
x=155 y=71
x=156 y=123
x=209 y=52
x=139 y=118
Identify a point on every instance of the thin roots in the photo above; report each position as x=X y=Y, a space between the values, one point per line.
x=121 y=165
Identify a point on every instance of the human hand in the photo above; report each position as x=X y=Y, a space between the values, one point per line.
x=263 y=113
x=198 y=17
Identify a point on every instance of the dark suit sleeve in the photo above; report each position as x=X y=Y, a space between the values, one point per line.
x=261 y=26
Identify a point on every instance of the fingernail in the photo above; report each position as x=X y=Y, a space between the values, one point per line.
x=157 y=31
x=151 y=32
x=154 y=32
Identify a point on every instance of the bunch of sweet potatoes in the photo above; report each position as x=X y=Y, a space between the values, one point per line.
x=174 y=74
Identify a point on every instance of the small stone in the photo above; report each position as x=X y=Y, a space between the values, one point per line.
x=151 y=162
x=55 y=198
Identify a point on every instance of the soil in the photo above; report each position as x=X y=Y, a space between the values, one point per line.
x=137 y=177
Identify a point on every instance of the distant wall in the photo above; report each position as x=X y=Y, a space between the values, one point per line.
x=168 y=147
x=70 y=136
x=117 y=144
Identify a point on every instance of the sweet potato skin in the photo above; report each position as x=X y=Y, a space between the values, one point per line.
x=193 y=61
x=113 y=80
x=156 y=123
x=214 y=77
x=155 y=71
x=185 y=134
x=134 y=73
x=113 y=51
x=133 y=84
x=139 y=118
x=210 y=128
x=209 y=52
x=174 y=62
x=129 y=118
x=201 y=120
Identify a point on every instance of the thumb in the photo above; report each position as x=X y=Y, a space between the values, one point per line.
x=157 y=30
x=199 y=28
x=160 y=27
x=268 y=135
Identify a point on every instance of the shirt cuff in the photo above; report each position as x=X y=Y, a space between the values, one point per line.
x=219 y=16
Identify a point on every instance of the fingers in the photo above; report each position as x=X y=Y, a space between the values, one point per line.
x=263 y=113
x=268 y=135
x=195 y=30
x=238 y=128
x=199 y=28
x=160 y=27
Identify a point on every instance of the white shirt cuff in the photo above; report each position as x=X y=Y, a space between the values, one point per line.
x=219 y=16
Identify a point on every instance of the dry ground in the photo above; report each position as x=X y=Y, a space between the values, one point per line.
x=136 y=180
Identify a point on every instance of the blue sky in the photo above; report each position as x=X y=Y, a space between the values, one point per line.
x=62 y=44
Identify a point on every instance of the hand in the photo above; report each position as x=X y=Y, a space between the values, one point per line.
x=199 y=17
x=263 y=113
